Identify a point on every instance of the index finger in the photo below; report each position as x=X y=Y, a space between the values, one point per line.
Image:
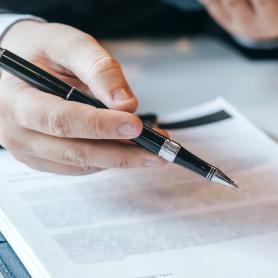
x=52 y=115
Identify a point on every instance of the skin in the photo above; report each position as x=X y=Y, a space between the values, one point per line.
x=252 y=19
x=50 y=134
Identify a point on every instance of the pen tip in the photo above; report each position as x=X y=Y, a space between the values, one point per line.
x=221 y=178
x=235 y=186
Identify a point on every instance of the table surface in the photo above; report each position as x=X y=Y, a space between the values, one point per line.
x=172 y=74
x=168 y=75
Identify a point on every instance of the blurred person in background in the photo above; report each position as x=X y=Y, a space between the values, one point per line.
x=53 y=135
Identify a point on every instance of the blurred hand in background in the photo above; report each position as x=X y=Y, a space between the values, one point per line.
x=251 y=19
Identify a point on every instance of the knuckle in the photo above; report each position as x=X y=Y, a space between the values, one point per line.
x=97 y=126
x=57 y=121
x=76 y=157
x=103 y=64
x=79 y=38
x=120 y=161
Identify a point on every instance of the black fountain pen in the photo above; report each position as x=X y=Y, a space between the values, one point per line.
x=149 y=139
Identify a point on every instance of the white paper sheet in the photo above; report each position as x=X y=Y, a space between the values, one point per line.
x=152 y=223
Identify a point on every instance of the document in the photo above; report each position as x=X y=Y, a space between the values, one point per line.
x=157 y=222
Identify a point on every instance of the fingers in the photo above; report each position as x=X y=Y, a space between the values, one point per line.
x=235 y=16
x=242 y=16
x=238 y=10
x=94 y=66
x=265 y=7
x=226 y=11
x=50 y=115
x=217 y=11
x=82 y=154
x=267 y=12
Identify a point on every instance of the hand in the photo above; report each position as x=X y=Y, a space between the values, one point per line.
x=251 y=19
x=51 y=134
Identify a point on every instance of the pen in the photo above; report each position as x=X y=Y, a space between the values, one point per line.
x=148 y=139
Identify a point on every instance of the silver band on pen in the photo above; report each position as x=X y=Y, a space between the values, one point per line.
x=211 y=172
x=70 y=92
x=169 y=150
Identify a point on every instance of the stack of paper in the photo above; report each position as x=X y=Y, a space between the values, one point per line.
x=142 y=223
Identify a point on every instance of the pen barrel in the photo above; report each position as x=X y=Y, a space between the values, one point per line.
x=190 y=161
x=150 y=140
x=32 y=74
x=78 y=96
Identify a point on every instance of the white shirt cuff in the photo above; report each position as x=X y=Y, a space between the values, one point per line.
x=8 y=20
x=259 y=44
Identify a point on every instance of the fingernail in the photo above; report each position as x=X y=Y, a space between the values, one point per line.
x=120 y=94
x=127 y=129
x=150 y=163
